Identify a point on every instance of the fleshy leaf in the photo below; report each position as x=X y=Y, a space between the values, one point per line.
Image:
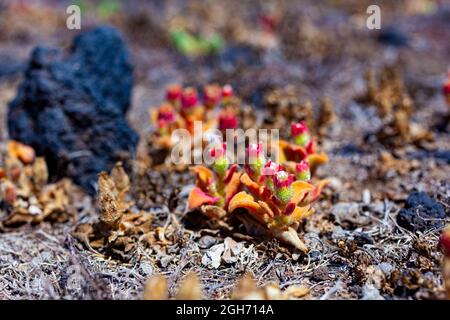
x=232 y=187
x=316 y=159
x=252 y=186
x=300 y=188
x=198 y=198
x=293 y=152
x=204 y=176
x=315 y=194
x=244 y=200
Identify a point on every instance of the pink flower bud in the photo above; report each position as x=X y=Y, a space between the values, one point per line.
x=212 y=95
x=282 y=179
x=189 y=98
x=227 y=91
x=271 y=168
x=227 y=120
x=446 y=87
x=302 y=166
x=298 y=128
x=161 y=124
x=254 y=150
x=173 y=92
x=166 y=113
x=302 y=171
x=218 y=152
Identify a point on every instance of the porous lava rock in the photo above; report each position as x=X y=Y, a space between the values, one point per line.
x=421 y=213
x=71 y=106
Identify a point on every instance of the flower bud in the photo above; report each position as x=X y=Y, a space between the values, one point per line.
x=227 y=94
x=212 y=96
x=256 y=159
x=268 y=172
x=300 y=133
x=282 y=183
x=173 y=93
x=189 y=98
x=302 y=171
x=220 y=164
x=227 y=91
x=227 y=120
x=166 y=113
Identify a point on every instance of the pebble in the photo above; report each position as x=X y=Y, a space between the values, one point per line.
x=207 y=242
x=366 y=198
x=34 y=210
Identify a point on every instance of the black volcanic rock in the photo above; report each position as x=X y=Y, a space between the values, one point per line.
x=71 y=106
x=421 y=213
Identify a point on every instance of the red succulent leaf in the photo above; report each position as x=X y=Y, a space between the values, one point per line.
x=230 y=173
x=289 y=209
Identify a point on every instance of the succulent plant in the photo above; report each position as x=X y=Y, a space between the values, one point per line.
x=277 y=199
x=182 y=109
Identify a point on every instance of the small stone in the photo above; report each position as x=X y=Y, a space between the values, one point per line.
x=362 y=238
x=146 y=268
x=371 y=293
x=366 y=196
x=213 y=257
x=348 y=215
x=206 y=242
x=386 y=268
x=232 y=250
x=320 y=274
x=34 y=210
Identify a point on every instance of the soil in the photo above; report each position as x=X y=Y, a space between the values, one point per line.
x=359 y=247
